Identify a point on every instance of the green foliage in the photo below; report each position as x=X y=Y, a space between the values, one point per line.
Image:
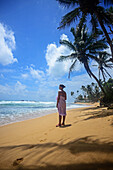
x=84 y=48
x=104 y=64
x=72 y=93
x=80 y=97
x=91 y=92
x=98 y=16
x=108 y=87
x=85 y=8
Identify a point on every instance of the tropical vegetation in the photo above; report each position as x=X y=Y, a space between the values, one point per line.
x=97 y=15
x=92 y=93
x=108 y=87
x=85 y=48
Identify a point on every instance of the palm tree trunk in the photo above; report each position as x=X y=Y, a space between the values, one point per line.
x=105 y=32
x=99 y=72
x=90 y=73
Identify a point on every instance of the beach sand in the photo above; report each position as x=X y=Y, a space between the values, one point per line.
x=86 y=142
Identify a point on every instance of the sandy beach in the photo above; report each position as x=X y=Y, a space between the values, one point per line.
x=85 y=142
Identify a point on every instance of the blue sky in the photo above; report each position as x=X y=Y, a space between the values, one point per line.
x=29 y=45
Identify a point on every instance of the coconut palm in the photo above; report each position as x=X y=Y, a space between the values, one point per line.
x=92 y=92
x=104 y=64
x=84 y=8
x=84 y=48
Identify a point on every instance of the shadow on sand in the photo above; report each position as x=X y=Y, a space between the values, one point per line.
x=82 y=166
x=81 y=145
x=67 y=125
x=100 y=114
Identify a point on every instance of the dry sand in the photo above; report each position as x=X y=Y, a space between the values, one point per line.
x=86 y=142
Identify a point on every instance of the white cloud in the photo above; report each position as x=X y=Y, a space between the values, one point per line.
x=19 y=87
x=33 y=73
x=25 y=76
x=64 y=37
x=58 y=69
x=1 y=75
x=19 y=90
x=5 y=89
x=36 y=74
x=7 y=45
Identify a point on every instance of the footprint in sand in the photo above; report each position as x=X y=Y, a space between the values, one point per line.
x=43 y=140
x=17 y=161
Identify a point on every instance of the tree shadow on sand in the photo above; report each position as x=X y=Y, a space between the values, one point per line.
x=92 y=108
x=81 y=145
x=100 y=114
x=82 y=166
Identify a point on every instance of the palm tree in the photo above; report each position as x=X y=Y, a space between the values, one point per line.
x=104 y=64
x=84 y=47
x=97 y=13
x=108 y=2
x=92 y=92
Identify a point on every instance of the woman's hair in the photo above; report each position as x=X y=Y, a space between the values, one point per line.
x=61 y=85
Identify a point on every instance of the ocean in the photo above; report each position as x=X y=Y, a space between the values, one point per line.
x=15 y=111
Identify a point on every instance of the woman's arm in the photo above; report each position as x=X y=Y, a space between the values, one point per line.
x=65 y=96
x=58 y=99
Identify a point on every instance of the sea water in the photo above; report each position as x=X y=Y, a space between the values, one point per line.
x=15 y=111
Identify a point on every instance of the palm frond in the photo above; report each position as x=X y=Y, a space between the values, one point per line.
x=104 y=15
x=94 y=23
x=108 y=2
x=64 y=58
x=72 y=67
x=68 y=44
x=98 y=45
x=107 y=73
x=68 y=3
x=86 y=66
x=92 y=57
x=70 y=17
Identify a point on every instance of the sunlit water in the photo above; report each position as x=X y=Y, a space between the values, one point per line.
x=15 y=111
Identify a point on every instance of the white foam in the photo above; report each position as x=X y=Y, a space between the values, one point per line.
x=14 y=111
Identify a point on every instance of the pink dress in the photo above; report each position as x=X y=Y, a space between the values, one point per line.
x=62 y=106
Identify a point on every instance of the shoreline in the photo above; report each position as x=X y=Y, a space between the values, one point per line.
x=49 y=112
x=85 y=141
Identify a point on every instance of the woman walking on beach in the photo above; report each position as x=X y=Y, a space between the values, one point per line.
x=61 y=104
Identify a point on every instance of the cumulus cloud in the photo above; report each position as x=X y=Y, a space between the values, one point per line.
x=53 y=52
x=64 y=37
x=19 y=87
x=19 y=90
x=24 y=75
x=36 y=74
x=33 y=73
x=7 y=45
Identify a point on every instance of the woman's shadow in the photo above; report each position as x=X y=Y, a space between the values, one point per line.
x=67 y=125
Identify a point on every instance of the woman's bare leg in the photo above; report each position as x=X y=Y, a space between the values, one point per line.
x=60 y=118
x=64 y=117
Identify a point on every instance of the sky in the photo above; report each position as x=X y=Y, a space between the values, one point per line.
x=29 y=48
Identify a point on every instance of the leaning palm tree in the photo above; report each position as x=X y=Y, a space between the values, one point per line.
x=104 y=64
x=98 y=14
x=84 y=48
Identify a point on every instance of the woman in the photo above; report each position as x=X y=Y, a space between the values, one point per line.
x=61 y=104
